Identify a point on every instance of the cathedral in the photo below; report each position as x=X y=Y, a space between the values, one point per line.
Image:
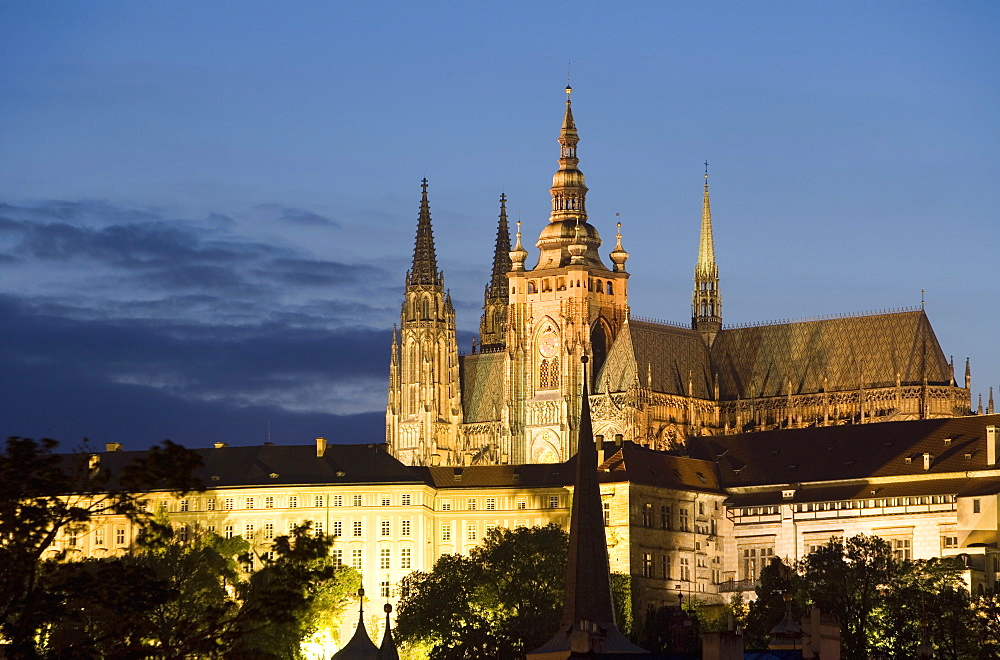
x=516 y=397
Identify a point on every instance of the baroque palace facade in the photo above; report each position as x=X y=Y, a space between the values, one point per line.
x=699 y=526
x=516 y=397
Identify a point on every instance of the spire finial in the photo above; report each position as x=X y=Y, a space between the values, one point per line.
x=569 y=192
x=619 y=256
x=706 y=300
x=424 y=270
x=921 y=298
x=518 y=254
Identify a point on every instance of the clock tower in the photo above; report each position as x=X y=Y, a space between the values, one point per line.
x=567 y=305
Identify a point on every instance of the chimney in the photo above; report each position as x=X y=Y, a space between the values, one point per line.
x=927 y=461
x=991 y=445
x=112 y=446
x=599 y=441
x=320 y=447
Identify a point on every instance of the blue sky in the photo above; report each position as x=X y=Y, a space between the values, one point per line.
x=206 y=209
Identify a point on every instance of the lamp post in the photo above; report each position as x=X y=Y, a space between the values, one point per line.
x=680 y=598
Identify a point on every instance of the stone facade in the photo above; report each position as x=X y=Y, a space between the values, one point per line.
x=515 y=397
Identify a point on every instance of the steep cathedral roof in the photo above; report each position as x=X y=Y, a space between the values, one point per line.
x=661 y=356
x=482 y=378
x=828 y=355
x=360 y=646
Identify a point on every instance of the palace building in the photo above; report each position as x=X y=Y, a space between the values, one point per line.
x=515 y=398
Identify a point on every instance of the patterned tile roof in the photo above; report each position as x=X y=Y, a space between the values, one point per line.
x=671 y=354
x=482 y=378
x=832 y=354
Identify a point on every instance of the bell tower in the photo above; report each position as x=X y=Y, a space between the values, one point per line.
x=568 y=305
x=706 y=300
x=424 y=410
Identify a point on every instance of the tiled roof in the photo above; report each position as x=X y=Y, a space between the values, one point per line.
x=832 y=354
x=296 y=464
x=482 y=378
x=486 y=476
x=639 y=465
x=673 y=355
x=848 y=452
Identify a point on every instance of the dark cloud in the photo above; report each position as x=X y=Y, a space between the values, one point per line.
x=305 y=272
x=71 y=378
x=298 y=216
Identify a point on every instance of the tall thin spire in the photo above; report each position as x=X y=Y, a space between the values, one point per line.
x=588 y=612
x=424 y=270
x=501 y=255
x=569 y=193
x=706 y=300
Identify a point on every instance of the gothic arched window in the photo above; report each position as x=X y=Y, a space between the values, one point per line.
x=548 y=374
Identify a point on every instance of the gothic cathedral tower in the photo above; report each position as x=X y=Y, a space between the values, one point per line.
x=424 y=411
x=569 y=304
x=706 y=301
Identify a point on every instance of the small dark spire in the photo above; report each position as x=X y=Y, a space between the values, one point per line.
x=501 y=255
x=360 y=646
x=387 y=651
x=424 y=270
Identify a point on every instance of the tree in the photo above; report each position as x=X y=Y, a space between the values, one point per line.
x=43 y=494
x=927 y=597
x=502 y=600
x=191 y=600
x=777 y=580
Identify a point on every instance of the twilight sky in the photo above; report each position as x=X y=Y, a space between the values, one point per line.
x=206 y=209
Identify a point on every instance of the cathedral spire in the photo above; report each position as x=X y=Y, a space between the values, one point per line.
x=501 y=256
x=424 y=270
x=706 y=301
x=493 y=324
x=569 y=193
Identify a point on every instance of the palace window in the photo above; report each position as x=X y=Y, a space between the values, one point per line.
x=471 y=504
x=384 y=589
x=491 y=503
x=606 y=509
x=406 y=499
x=445 y=532
x=249 y=502
x=229 y=504
x=269 y=502
x=318 y=501
x=356 y=528
x=227 y=531
x=647 y=515
x=357 y=500
x=338 y=500
x=446 y=505
x=685 y=570
x=356 y=559
x=666 y=516
x=248 y=530
x=522 y=504
x=404 y=558
x=384 y=556
x=99 y=537
x=268 y=530
x=553 y=501
x=470 y=532
x=665 y=566
x=647 y=565
x=338 y=528
x=210 y=504
x=404 y=527
x=385 y=528
x=385 y=500
x=184 y=505
x=685 y=520
x=753 y=561
x=293 y=501
x=338 y=557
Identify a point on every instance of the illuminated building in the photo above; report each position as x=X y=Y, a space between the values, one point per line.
x=516 y=397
